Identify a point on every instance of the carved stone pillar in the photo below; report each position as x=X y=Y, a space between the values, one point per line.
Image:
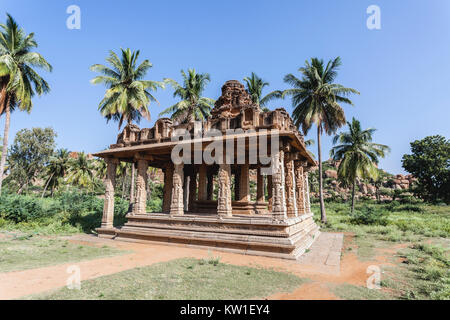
x=306 y=184
x=168 y=182
x=210 y=188
x=269 y=192
x=224 y=197
x=259 y=186
x=192 y=190
x=202 y=183
x=237 y=179
x=299 y=187
x=140 y=204
x=291 y=202
x=186 y=191
x=176 y=205
x=110 y=181
x=244 y=185
x=278 y=187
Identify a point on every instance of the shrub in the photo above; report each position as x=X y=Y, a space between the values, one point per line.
x=75 y=203
x=73 y=208
x=154 y=205
x=368 y=215
x=410 y=207
x=19 y=208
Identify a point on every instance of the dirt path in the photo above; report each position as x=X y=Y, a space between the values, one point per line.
x=351 y=270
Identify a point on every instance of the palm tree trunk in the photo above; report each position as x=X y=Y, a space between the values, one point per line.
x=323 y=214
x=46 y=185
x=5 y=142
x=353 y=196
x=133 y=169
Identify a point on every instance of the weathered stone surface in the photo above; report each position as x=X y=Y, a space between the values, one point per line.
x=270 y=193
x=278 y=187
x=244 y=183
x=306 y=187
x=176 y=206
x=259 y=186
x=110 y=181
x=255 y=235
x=331 y=174
x=195 y=217
x=192 y=190
x=299 y=188
x=202 y=183
x=168 y=184
x=291 y=202
x=141 y=188
x=224 y=197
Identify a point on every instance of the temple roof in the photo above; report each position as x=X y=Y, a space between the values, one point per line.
x=233 y=110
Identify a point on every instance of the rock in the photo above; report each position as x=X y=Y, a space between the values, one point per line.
x=331 y=174
x=371 y=189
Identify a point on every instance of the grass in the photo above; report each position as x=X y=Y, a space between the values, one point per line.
x=185 y=279
x=352 y=292
x=25 y=251
x=427 y=272
x=402 y=222
x=419 y=271
x=423 y=271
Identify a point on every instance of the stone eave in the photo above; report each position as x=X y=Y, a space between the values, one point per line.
x=166 y=147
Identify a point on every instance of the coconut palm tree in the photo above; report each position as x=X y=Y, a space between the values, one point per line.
x=56 y=170
x=100 y=168
x=128 y=96
x=255 y=86
x=81 y=171
x=19 y=82
x=316 y=100
x=192 y=105
x=358 y=155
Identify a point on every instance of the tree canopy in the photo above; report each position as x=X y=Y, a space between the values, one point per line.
x=429 y=162
x=193 y=106
x=255 y=86
x=29 y=154
x=128 y=95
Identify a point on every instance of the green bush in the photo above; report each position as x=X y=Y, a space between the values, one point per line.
x=74 y=208
x=19 y=208
x=410 y=207
x=368 y=215
x=154 y=205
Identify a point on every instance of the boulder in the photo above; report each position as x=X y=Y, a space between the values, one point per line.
x=331 y=174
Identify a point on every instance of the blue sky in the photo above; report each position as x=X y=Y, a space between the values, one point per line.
x=402 y=70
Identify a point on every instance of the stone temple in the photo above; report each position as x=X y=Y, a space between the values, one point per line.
x=276 y=221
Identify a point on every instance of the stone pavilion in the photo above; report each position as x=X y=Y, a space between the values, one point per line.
x=216 y=205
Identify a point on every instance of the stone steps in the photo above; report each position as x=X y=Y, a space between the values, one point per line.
x=286 y=240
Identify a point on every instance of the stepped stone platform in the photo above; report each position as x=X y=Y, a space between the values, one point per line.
x=253 y=235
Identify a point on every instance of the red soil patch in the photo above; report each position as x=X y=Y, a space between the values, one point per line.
x=308 y=291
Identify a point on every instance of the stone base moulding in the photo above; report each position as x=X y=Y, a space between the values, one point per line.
x=108 y=233
x=253 y=235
